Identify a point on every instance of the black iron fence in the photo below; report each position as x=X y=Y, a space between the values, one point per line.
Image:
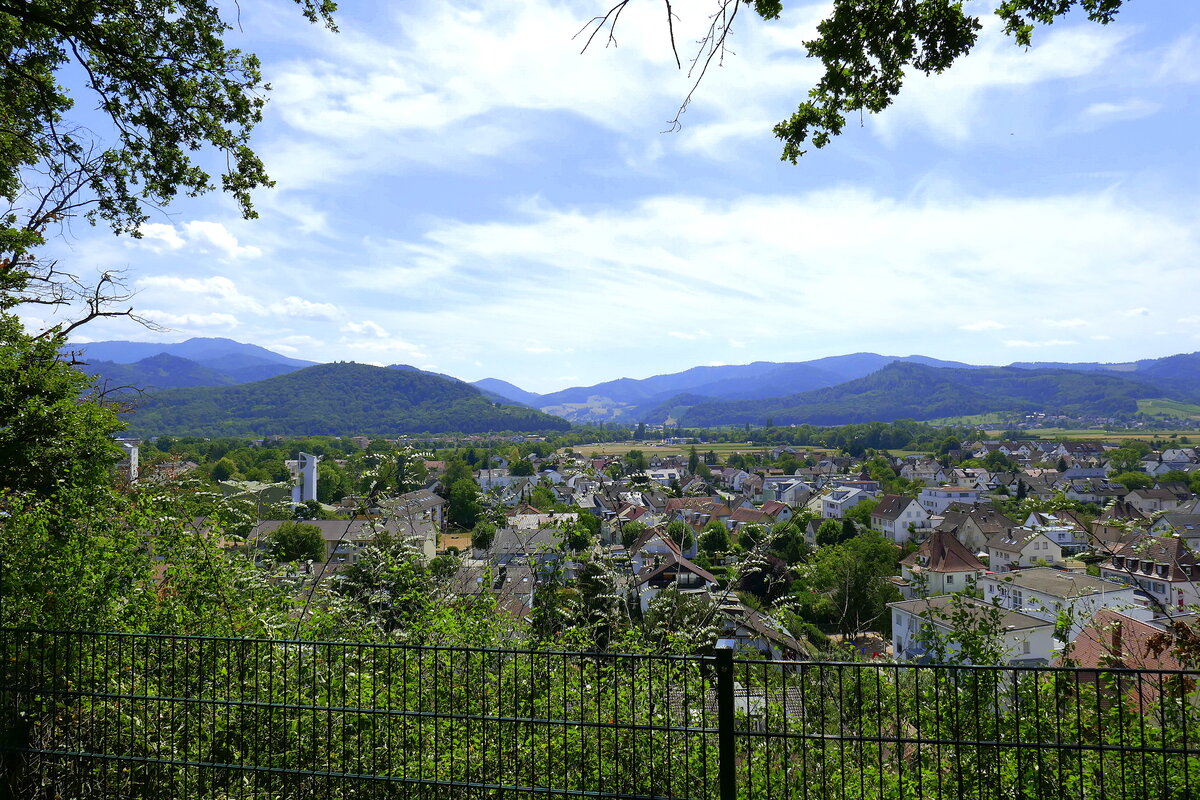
x=86 y=715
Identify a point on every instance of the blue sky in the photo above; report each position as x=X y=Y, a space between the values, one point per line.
x=460 y=189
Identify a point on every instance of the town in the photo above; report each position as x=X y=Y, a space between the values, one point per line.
x=788 y=552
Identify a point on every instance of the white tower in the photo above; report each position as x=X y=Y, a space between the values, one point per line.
x=306 y=488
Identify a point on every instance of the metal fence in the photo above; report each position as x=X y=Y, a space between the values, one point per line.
x=86 y=715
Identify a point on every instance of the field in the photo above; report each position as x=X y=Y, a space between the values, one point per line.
x=722 y=449
x=1169 y=408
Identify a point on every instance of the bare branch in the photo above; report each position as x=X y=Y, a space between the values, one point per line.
x=609 y=20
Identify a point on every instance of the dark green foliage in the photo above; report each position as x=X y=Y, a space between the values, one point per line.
x=163 y=76
x=681 y=534
x=463 y=507
x=714 y=538
x=49 y=436
x=334 y=400
x=868 y=47
x=1133 y=480
x=297 y=541
x=630 y=531
x=482 y=535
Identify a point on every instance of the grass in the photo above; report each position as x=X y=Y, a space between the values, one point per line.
x=1161 y=407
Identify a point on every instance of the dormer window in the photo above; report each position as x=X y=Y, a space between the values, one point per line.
x=1162 y=570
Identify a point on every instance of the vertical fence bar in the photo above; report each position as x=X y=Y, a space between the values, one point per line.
x=726 y=739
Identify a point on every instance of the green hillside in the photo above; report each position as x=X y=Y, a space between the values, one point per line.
x=915 y=391
x=332 y=400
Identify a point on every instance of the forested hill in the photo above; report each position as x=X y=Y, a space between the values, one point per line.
x=333 y=400
x=904 y=390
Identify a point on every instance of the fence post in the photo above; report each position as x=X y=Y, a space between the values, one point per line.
x=726 y=744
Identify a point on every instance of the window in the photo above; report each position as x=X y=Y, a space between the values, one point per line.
x=949 y=579
x=1025 y=647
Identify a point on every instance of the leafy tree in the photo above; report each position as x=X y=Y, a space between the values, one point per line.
x=482 y=535
x=297 y=541
x=456 y=470
x=829 y=533
x=1134 y=480
x=693 y=460
x=681 y=534
x=714 y=538
x=1124 y=459
x=463 y=507
x=853 y=575
x=630 y=531
x=51 y=434
x=132 y=53
x=861 y=512
x=543 y=498
x=522 y=468
x=332 y=482
x=1061 y=465
x=996 y=461
x=223 y=470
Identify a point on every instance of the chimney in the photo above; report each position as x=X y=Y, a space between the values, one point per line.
x=1115 y=646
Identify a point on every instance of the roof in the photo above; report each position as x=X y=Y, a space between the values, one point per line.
x=891 y=506
x=938 y=608
x=1059 y=584
x=942 y=552
x=751 y=515
x=1149 y=551
x=676 y=562
x=1113 y=639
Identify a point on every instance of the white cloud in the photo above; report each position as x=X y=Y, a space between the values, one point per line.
x=737 y=258
x=306 y=309
x=366 y=328
x=1128 y=109
x=213 y=320
x=689 y=336
x=1046 y=343
x=1193 y=319
x=983 y=325
x=1066 y=323
x=200 y=235
x=1140 y=311
x=215 y=288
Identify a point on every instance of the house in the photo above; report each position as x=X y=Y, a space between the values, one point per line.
x=755 y=632
x=941 y=565
x=1048 y=593
x=1017 y=548
x=1094 y=490
x=975 y=526
x=837 y=502
x=1162 y=566
x=1027 y=640
x=1117 y=524
x=777 y=511
x=421 y=503
x=896 y=517
x=345 y=539
x=1179 y=524
x=1151 y=501
x=653 y=545
x=936 y=499
x=673 y=571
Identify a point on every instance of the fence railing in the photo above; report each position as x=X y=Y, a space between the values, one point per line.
x=87 y=715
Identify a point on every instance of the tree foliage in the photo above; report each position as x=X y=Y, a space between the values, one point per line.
x=297 y=541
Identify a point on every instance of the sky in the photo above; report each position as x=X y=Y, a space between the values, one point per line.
x=461 y=189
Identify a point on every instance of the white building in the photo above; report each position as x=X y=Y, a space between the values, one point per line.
x=1026 y=639
x=306 y=485
x=1046 y=593
x=936 y=499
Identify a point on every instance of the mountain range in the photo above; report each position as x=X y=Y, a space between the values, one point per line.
x=833 y=390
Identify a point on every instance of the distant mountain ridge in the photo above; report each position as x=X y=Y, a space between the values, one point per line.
x=728 y=394
x=906 y=390
x=341 y=399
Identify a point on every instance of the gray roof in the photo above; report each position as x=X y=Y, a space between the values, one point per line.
x=936 y=609
x=1058 y=583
